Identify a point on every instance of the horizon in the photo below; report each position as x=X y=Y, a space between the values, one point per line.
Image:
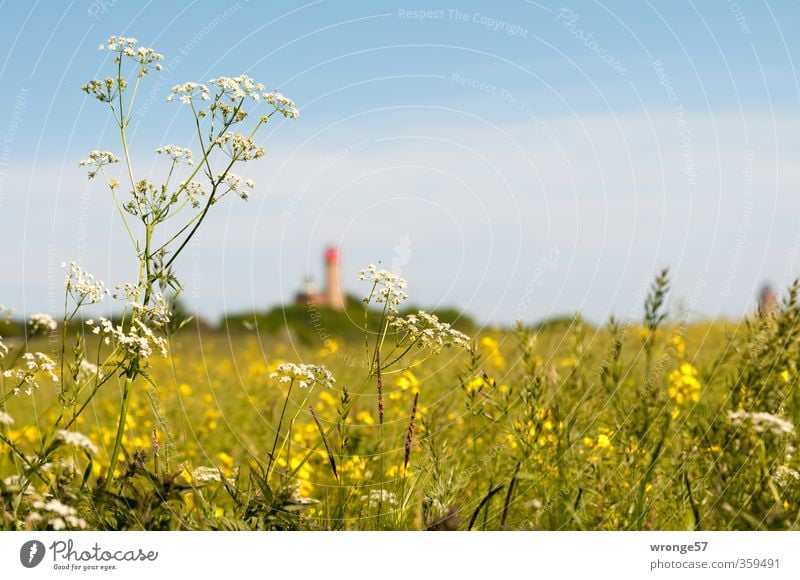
x=521 y=161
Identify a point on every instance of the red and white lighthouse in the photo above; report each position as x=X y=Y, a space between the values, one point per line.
x=334 y=297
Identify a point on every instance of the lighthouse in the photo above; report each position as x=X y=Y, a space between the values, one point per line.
x=334 y=297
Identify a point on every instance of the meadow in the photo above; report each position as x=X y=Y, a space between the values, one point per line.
x=658 y=424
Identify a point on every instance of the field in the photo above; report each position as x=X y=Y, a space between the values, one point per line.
x=655 y=425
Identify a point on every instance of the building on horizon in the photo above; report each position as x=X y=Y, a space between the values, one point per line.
x=331 y=296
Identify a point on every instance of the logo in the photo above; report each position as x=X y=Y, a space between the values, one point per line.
x=31 y=553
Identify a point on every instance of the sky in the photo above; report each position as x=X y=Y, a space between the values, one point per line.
x=516 y=160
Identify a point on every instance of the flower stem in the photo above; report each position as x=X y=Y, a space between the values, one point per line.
x=278 y=431
x=123 y=416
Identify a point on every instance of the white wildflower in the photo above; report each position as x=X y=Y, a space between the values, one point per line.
x=204 y=474
x=761 y=422
x=785 y=475
x=6 y=419
x=126 y=46
x=239 y=147
x=138 y=343
x=83 y=286
x=77 y=440
x=88 y=371
x=60 y=516
x=158 y=312
x=386 y=287
x=234 y=183
x=427 y=331
x=305 y=375
x=33 y=364
x=97 y=160
x=238 y=88
x=284 y=105
x=41 y=322
x=376 y=497
x=187 y=92
x=194 y=191
x=177 y=154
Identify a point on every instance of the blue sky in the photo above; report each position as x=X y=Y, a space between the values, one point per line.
x=516 y=159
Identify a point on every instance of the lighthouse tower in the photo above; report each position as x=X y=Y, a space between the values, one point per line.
x=334 y=297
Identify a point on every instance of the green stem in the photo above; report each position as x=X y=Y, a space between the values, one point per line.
x=278 y=430
x=123 y=416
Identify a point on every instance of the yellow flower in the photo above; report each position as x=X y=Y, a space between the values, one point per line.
x=226 y=459
x=185 y=390
x=603 y=442
x=677 y=345
x=329 y=347
x=365 y=418
x=684 y=386
x=492 y=348
x=479 y=382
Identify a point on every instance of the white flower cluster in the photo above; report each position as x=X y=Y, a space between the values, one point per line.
x=33 y=363
x=238 y=88
x=427 y=331
x=376 y=497
x=785 y=475
x=177 y=154
x=139 y=343
x=41 y=322
x=387 y=287
x=284 y=105
x=83 y=286
x=194 y=191
x=126 y=46
x=187 y=92
x=157 y=313
x=305 y=375
x=77 y=440
x=59 y=516
x=761 y=422
x=205 y=474
x=6 y=419
x=87 y=371
x=106 y=90
x=96 y=160
x=235 y=184
x=239 y=147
